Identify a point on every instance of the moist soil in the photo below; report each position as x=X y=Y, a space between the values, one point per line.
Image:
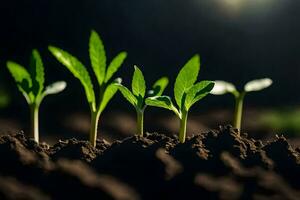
x=219 y=164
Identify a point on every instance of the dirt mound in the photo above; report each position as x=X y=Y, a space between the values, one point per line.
x=219 y=164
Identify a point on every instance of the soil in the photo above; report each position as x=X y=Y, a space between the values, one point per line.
x=219 y=164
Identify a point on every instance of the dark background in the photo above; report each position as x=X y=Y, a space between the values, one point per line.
x=259 y=39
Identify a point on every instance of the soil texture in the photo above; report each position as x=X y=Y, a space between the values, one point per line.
x=219 y=164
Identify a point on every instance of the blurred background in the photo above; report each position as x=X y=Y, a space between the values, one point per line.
x=238 y=40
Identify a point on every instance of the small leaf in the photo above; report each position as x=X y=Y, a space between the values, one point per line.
x=115 y=65
x=223 y=87
x=162 y=102
x=186 y=79
x=258 y=84
x=77 y=69
x=197 y=92
x=108 y=95
x=138 y=83
x=55 y=88
x=97 y=56
x=159 y=86
x=22 y=78
x=36 y=70
x=127 y=94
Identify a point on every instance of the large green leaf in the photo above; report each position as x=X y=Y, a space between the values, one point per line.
x=138 y=83
x=115 y=65
x=159 y=86
x=36 y=70
x=77 y=69
x=22 y=78
x=97 y=56
x=197 y=92
x=162 y=102
x=186 y=79
x=108 y=94
x=127 y=94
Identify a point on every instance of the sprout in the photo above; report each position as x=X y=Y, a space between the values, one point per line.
x=223 y=87
x=103 y=73
x=31 y=84
x=138 y=95
x=186 y=93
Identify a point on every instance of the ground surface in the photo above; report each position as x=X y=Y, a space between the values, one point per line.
x=218 y=164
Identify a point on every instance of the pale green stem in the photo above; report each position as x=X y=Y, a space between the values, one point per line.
x=183 y=124
x=94 y=126
x=140 y=122
x=34 y=121
x=238 y=111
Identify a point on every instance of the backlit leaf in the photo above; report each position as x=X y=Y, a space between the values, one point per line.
x=97 y=56
x=77 y=69
x=186 y=78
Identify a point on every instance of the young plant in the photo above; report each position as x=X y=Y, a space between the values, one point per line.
x=186 y=93
x=223 y=87
x=31 y=84
x=104 y=73
x=138 y=95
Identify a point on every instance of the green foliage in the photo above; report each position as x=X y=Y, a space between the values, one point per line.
x=102 y=72
x=77 y=69
x=186 y=79
x=186 y=92
x=137 y=96
x=31 y=84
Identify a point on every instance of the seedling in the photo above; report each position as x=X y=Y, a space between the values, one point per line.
x=223 y=87
x=138 y=95
x=103 y=74
x=186 y=93
x=31 y=84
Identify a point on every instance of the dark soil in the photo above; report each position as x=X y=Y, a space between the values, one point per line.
x=218 y=164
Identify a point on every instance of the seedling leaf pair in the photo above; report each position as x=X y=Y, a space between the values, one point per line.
x=223 y=87
x=31 y=84
x=137 y=96
x=102 y=72
x=186 y=93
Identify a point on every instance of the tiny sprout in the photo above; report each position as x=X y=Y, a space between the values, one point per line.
x=31 y=84
x=186 y=93
x=138 y=95
x=103 y=73
x=223 y=87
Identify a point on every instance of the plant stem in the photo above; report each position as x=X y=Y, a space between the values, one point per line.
x=140 y=122
x=183 y=123
x=238 y=111
x=94 y=125
x=34 y=121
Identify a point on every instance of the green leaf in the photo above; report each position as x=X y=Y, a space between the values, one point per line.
x=36 y=70
x=162 y=102
x=115 y=65
x=55 y=88
x=186 y=79
x=127 y=94
x=138 y=83
x=258 y=84
x=22 y=78
x=223 y=87
x=159 y=86
x=97 y=56
x=197 y=92
x=108 y=95
x=77 y=69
